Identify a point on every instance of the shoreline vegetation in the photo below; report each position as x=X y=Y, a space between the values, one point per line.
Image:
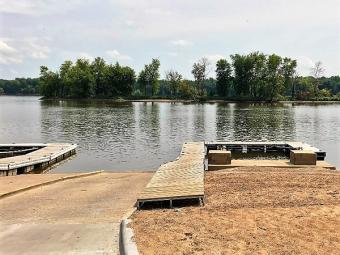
x=254 y=77
x=169 y=100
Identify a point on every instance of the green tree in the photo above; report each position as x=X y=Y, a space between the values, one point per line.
x=98 y=67
x=148 y=77
x=200 y=72
x=257 y=86
x=243 y=73
x=186 y=90
x=289 y=73
x=303 y=88
x=119 y=80
x=174 y=80
x=275 y=81
x=317 y=71
x=49 y=82
x=223 y=77
x=82 y=80
x=65 y=82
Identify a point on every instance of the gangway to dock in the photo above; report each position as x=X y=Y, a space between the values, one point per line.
x=180 y=180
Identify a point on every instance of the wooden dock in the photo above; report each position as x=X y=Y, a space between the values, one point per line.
x=178 y=181
x=43 y=156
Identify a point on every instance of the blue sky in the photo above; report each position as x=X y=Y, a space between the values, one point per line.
x=178 y=32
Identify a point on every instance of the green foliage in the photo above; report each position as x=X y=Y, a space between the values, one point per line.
x=303 y=87
x=186 y=90
x=254 y=76
x=223 y=77
x=49 y=82
x=174 y=80
x=263 y=77
x=200 y=73
x=86 y=80
x=19 y=86
x=82 y=80
x=148 y=78
x=325 y=93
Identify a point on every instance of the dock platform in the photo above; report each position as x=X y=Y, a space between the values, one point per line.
x=41 y=156
x=179 y=180
x=283 y=147
x=277 y=146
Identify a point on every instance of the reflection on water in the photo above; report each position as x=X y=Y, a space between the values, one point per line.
x=134 y=136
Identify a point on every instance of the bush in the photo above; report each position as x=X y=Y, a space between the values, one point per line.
x=137 y=93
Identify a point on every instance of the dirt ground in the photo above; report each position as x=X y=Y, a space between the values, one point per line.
x=250 y=211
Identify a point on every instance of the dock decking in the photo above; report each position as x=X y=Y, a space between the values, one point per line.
x=46 y=155
x=182 y=179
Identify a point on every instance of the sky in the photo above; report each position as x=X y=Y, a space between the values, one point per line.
x=178 y=32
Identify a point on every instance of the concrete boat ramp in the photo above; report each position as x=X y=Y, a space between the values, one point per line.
x=72 y=216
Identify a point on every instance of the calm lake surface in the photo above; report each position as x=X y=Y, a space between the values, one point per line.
x=141 y=136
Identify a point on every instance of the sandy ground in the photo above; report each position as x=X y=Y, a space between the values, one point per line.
x=79 y=216
x=250 y=211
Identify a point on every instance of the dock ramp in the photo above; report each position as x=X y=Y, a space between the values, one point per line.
x=179 y=180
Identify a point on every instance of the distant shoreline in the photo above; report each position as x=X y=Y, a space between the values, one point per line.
x=151 y=100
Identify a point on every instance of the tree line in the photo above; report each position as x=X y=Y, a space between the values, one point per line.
x=254 y=76
x=20 y=86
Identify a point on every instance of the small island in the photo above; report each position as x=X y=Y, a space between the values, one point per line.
x=253 y=77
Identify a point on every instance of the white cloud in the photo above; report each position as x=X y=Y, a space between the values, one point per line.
x=214 y=58
x=36 y=7
x=130 y=23
x=85 y=55
x=116 y=55
x=8 y=54
x=181 y=43
x=22 y=49
x=169 y=28
x=5 y=48
x=172 y=54
x=34 y=49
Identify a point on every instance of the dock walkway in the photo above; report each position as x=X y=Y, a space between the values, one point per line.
x=43 y=157
x=182 y=179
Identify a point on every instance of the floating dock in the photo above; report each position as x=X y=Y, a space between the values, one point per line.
x=182 y=180
x=177 y=181
x=283 y=147
x=24 y=158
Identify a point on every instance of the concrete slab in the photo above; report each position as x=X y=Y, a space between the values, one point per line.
x=9 y=184
x=59 y=239
x=77 y=216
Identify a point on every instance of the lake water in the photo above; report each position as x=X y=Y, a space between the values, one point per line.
x=141 y=136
